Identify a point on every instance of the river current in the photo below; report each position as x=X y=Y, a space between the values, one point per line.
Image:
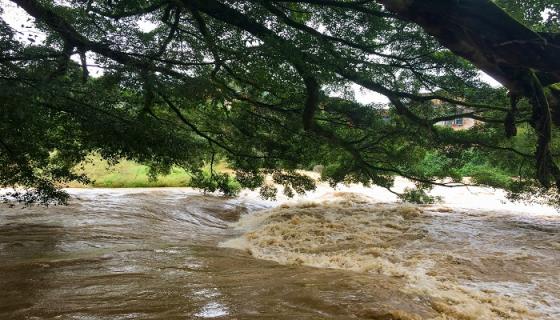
x=348 y=254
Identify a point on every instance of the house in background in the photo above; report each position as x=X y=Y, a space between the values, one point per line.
x=459 y=123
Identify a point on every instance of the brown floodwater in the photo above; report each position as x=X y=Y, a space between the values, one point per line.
x=177 y=254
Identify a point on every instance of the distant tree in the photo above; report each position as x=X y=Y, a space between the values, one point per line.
x=266 y=85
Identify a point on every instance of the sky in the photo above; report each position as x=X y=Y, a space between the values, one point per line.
x=23 y=24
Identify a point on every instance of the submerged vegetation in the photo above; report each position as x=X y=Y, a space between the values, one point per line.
x=267 y=86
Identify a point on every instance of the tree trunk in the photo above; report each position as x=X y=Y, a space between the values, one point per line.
x=522 y=60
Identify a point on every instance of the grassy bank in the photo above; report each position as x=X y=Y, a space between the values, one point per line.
x=127 y=174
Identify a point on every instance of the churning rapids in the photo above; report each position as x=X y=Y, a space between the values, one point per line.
x=347 y=254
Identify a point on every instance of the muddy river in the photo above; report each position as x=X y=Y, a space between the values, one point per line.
x=346 y=254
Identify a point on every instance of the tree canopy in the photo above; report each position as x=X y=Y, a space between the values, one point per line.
x=267 y=86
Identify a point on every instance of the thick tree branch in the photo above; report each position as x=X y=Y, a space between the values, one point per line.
x=484 y=34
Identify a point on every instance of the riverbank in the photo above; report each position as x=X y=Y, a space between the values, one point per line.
x=125 y=174
x=130 y=174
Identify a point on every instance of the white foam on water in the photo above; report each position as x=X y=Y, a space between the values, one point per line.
x=431 y=249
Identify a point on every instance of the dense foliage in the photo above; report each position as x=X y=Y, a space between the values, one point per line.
x=267 y=87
